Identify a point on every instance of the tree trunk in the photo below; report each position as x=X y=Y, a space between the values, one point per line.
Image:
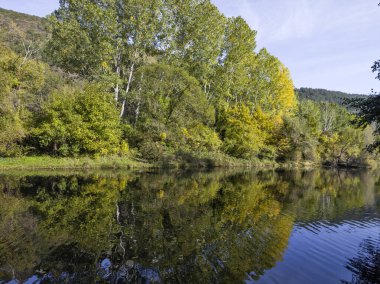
x=116 y=90
x=122 y=108
x=137 y=111
x=127 y=90
x=55 y=147
x=118 y=71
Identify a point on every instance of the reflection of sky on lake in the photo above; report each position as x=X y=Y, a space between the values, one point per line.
x=318 y=252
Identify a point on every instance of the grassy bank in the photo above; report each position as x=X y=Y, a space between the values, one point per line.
x=47 y=162
x=182 y=160
x=168 y=162
x=175 y=161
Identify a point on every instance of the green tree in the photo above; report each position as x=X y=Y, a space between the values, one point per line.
x=74 y=122
x=197 y=37
x=236 y=60
x=21 y=80
x=344 y=147
x=106 y=39
x=297 y=142
x=368 y=114
x=168 y=99
x=322 y=132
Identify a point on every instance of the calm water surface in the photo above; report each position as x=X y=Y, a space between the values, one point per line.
x=208 y=227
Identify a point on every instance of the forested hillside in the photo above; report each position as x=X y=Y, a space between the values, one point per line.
x=23 y=33
x=321 y=95
x=170 y=82
x=25 y=22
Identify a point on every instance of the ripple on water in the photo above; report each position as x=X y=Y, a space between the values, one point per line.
x=320 y=252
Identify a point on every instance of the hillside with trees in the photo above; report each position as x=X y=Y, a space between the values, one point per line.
x=28 y=24
x=25 y=34
x=322 y=95
x=169 y=82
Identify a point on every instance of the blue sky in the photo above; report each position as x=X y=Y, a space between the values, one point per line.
x=327 y=44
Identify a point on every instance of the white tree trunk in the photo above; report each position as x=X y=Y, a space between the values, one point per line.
x=127 y=90
x=118 y=71
x=116 y=91
x=137 y=111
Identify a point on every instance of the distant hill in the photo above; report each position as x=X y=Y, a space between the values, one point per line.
x=321 y=95
x=26 y=23
x=17 y=30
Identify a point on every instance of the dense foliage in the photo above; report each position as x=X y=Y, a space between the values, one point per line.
x=368 y=110
x=163 y=78
x=71 y=123
x=324 y=132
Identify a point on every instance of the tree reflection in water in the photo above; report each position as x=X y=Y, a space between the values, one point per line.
x=366 y=265
x=187 y=227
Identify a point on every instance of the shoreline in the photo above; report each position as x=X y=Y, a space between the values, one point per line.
x=82 y=163
x=131 y=163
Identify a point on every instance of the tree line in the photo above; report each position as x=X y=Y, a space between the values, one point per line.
x=161 y=80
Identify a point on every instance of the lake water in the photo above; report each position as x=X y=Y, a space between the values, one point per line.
x=185 y=227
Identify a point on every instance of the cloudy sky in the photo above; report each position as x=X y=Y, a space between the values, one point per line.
x=327 y=44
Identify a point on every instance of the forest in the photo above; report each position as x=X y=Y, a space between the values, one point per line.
x=167 y=82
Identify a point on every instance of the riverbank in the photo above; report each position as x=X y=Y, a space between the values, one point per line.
x=47 y=162
x=179 y=161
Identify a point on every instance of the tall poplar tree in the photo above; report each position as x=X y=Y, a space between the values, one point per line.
x=196 y=38
x=105 y=39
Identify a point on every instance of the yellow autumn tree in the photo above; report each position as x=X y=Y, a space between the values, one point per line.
x=273 y=89
x=242 y=135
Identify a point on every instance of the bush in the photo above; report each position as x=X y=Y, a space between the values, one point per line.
x=75 y=122
x=201 y=137
x=152 y=151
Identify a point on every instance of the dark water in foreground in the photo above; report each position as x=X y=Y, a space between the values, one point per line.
x=216 y=227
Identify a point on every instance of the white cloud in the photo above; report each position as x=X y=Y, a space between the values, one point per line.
x=279 y=20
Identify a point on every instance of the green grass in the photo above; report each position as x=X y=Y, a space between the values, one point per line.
x=180 y=161
x=47 y=162
x=183 y=160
